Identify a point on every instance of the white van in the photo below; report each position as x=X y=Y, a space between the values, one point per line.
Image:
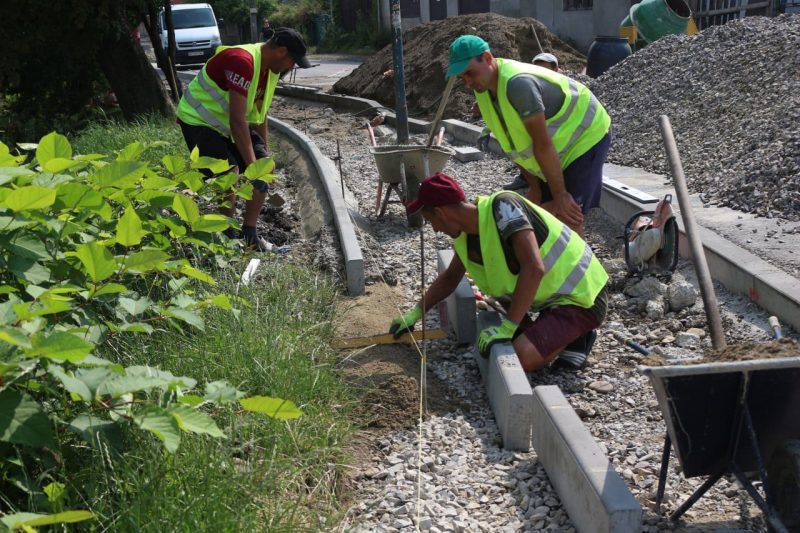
x=196 y=33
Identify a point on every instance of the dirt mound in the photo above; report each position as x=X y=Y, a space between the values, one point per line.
x=747 y=352
x=425 y=50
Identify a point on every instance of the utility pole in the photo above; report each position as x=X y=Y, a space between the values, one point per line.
x=400 y=109
x=254 y=38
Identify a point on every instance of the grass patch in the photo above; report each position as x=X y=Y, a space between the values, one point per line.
x=267 y=475
x=109 y=136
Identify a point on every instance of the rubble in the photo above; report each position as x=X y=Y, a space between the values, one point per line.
x=732 y=93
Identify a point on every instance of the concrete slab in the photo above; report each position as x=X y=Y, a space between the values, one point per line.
x=457 y=311
x=328 y=174
x=507 y=386
x=465 y=154
x=593 y=494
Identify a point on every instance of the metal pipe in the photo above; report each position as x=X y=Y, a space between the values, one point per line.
x=400 y=109
x=692 y=233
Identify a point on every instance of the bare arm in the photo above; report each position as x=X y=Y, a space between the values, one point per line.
x=444 y=284
x=534 y=186
x=240 y=130
x=563 y=206
x=263 y=129
x=531 y=272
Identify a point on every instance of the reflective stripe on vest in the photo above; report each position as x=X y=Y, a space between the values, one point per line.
x=204 y=103
x=574 y=129
x=572 y=274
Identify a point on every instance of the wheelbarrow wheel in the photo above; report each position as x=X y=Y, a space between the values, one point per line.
x=783 y=474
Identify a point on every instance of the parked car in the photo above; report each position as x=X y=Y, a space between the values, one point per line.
x=196 y=33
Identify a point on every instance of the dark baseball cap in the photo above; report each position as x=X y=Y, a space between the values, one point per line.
x=294 y=43
x=436 y=191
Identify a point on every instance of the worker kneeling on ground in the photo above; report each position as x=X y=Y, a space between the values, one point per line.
x=550 y=125
x=513 y=248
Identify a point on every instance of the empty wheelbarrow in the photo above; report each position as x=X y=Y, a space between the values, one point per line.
x=402 y=167
x=741 y=418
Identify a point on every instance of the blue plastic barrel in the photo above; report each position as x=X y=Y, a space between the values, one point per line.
x=604 y=53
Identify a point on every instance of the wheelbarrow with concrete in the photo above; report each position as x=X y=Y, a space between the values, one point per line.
x=402 y=167
x=740 y=418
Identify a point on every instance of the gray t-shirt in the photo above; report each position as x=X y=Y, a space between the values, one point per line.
x=530 y=94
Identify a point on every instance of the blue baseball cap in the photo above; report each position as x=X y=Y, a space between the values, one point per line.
x=463 y=49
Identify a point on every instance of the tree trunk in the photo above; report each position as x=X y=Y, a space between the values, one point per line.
x=134 y=81
x=166 y=66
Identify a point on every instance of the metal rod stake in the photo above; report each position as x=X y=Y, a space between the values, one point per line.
x=662 y=476
x=692 y=232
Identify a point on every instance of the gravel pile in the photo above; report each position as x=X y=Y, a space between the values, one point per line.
x=469 y=482
x=732 y=94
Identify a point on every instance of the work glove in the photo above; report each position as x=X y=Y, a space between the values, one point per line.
x=495 y=334
x=405 y=323
x=483 y=140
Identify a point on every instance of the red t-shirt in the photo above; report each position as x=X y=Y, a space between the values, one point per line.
x=232 y=70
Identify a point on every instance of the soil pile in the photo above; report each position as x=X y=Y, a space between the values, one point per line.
x=732 y=94
x=746 y=352
x=425 y=50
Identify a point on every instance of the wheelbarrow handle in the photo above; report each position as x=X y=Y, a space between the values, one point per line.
x=371 y=133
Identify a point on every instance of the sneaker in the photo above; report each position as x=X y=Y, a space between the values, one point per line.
x=260 y=244
x=519 y=183
x=576 y=354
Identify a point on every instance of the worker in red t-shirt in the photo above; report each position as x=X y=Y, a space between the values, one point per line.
x=223 y=112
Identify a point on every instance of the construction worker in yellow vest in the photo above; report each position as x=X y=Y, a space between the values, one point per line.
x=550 y=125
x=514 y=249
x=223 y=112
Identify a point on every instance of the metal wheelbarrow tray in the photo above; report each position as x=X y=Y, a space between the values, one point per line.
x=737 y=417
x=389 y=157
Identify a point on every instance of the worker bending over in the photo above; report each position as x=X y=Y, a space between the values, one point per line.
x=223 y=112
x=550 y=125
x=513 y=248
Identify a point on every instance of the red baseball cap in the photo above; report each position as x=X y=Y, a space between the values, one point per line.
x=436 y=191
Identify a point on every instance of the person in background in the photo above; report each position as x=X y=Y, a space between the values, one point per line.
x=266 y=30
x=512 y=248
x=546 y=60
x=223 y=112
x=551 y=126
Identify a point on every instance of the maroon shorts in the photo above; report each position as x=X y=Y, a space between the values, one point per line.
x=558 y=326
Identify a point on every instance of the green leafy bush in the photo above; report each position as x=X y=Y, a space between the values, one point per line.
x=93 y=248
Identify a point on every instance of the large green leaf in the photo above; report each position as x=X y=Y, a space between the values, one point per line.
x=51 y=146
x=146 y=260
x=97 y=259
x=212 y=223
x=129 y=228
x=15 y=337
x=261 y=169
x=135 y=307
x=174 y=163
x=76 y=195
x=120 y=174
x=194 y=421
x=30 y=197
x=161 y=424
x=97 y=432
x=94 y=377
x=222 y=392
x=23 y=421
x=193 y=319
x=172 y=380
x=59 y=346
x=27 y=521
x=186 y=208
x=131 y=152
x=274 y=407
x=216 y=166
x=28 y=269
x=71 y=383
x=192 y=272
x=60 y=164
x=118 y=385
x=26 y=244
